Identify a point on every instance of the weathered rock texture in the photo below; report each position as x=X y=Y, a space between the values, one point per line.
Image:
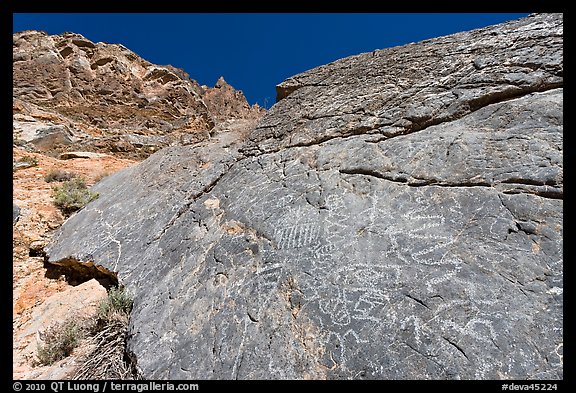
x=224 y=102
x=77 y=304
x=15 y=213
x=97 y=96
x=396 y=215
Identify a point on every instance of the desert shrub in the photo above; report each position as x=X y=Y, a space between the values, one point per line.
x=58 y=175
x=73 y=195
x=118 y=300
x=101 y=176
x=59 y=340
x=107 y=333
x=108 y=359
x=33 y=161
x=24 y=162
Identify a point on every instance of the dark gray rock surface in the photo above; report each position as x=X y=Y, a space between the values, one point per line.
x=396 y=215
x=15 y=213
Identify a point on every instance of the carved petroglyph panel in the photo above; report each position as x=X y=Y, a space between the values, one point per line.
x=373 y=266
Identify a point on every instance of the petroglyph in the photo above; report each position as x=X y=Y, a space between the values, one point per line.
x=298 y=236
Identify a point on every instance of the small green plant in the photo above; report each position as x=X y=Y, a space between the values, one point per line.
x=58 y=175
x=18 y=142
x=33 y=161
x=108 y=359
x=118 y=301
x=73 y=195
x=101 y=176
x=24 y=162
x=59 y=342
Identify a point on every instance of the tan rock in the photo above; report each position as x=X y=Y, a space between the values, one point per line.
x=37 y=247
x=224 y=102
x=92 y=94
x=76 y=302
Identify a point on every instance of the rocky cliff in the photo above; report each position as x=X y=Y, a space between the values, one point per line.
x=73 y=98
x=396 y=215
x=69 y=91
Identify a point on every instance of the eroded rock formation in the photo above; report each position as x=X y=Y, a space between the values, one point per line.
x=396 y=215
x=69 y=90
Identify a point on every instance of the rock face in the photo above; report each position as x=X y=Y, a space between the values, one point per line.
x=396 y=215
x=104 y=97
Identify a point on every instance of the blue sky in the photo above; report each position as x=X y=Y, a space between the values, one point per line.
x=254 y=52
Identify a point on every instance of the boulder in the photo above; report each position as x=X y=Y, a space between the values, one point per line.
x=36 y=248
x=80 y=154
x=76 y=303
x=43 y=135
x=396 y=215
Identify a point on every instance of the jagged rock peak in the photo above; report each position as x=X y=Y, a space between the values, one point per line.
x=221 y=83
x=223 y=102
x=116 y=100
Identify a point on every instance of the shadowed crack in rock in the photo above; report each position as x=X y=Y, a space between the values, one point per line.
x=76 y=272
x=549 y=191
